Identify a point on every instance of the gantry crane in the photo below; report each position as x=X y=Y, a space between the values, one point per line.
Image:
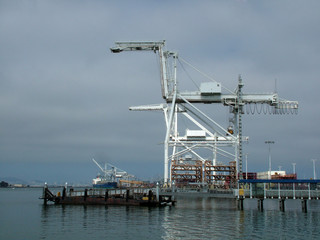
x=111 y=173
x=209 y=133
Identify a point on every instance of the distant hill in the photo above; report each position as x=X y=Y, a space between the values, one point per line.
x=14 y=180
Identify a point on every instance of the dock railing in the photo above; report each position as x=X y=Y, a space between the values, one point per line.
x=288 y=188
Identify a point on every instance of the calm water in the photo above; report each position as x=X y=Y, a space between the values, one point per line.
x=22 y=216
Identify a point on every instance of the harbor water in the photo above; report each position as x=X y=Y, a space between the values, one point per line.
x=23 y=216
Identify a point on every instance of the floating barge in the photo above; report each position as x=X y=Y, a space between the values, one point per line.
x=118 y=196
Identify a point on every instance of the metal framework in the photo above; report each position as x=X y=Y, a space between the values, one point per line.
x=207 y=134
x=185 y=172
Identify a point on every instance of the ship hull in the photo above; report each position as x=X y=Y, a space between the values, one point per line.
x=106 y=185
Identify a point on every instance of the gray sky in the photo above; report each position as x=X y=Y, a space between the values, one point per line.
x=64 y=96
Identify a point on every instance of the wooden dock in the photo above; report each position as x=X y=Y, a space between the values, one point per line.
x=118 y=196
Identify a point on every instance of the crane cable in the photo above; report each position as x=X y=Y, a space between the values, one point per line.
x=205 y=75
x=188 y=74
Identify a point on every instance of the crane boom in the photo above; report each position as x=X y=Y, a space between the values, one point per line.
x=156 y=46
x=103 y=170
x=202 y=96
x=137 y=46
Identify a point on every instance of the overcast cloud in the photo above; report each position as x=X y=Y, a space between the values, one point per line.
x=64 y=96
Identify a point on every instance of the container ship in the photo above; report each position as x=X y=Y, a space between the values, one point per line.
x=110 y=177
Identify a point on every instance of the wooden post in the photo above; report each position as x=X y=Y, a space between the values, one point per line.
x=85 y=194
x=106 y=196
x=127 y=195
x=304 y=205
x=44 y=194
x=281 y=204
x=260 y=204
x=240 y=203
x=150 y=196
x=64 y=192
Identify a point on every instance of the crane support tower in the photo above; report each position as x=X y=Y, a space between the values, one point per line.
x=183 y=159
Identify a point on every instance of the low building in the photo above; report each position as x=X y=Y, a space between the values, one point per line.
x=270 y=174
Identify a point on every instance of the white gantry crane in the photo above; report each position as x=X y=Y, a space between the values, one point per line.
x=111 y=172
x=209 y=134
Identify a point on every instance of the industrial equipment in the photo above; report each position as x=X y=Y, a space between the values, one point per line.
x=208 y=134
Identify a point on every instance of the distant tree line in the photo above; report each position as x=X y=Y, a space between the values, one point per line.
x=4 y=184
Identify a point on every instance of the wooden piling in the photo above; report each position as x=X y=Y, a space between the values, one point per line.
x=45 y=196
x=150 y=196
x=260 y=204
x=85 y=195
x=127 y=195
x=282 y=205
x=64 y=192
x=106 y=195
x=304 y=205
x=240 y=203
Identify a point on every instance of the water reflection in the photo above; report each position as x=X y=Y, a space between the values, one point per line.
x=202 y=218
x=217 y=219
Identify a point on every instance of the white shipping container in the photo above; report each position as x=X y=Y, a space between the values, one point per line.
x=208 y=88
x=195 y=133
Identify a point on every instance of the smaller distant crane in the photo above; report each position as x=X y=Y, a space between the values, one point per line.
x=111 y=173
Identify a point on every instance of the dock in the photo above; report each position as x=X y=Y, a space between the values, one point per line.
x=281 y=189
x=118 y=196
